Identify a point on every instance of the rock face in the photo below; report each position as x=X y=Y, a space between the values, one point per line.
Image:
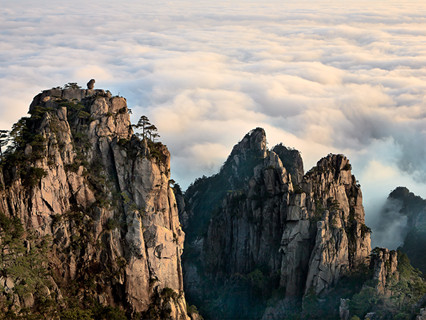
x=260 y=227
x=422 y=314
x=385 y=266
x=81 y=180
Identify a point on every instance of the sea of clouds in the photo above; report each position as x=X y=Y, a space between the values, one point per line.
x=320 y=76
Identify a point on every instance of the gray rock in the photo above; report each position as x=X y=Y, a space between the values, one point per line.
x=422 y=314
x=344 y=309
x=8 y=283
x=370 y=316
x=28 y=300
x=91 y=84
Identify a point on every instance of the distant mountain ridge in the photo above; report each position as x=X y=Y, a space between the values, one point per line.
x=414 y=241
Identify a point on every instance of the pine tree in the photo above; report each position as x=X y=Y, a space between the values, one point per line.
x=149 y=130
x=143 y=123
x=4 y=140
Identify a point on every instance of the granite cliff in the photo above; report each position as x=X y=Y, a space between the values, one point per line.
x=266 y=241
x=89 y=224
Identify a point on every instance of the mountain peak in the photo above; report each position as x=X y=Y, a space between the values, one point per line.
x=253 y=142
x=292 y=161
x=79 y=175
x=400 y=193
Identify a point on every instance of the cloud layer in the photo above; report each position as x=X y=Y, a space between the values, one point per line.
x=322 y=77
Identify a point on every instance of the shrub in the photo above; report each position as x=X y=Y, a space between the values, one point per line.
x=76 y=314
x=362 y=302
x=32 y=176
x=12 y=227
x=298 y=189
x=112 y=224
x=72 y=85
x=347 y=166
x=169 y=293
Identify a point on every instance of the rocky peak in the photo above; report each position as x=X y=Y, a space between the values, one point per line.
x=70 y=93
x=253 y=142
x=412 y=205
x=245 y=156
x=304 y=236
x=292 y=161
x=79 y=176
x=400 y=193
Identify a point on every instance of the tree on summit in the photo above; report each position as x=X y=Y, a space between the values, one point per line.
x=152 y=132
x=149 y=130
x=142 y=124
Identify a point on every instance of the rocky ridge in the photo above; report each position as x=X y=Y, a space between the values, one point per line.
x=93 y=203
x=266 y=241
x=296 y=234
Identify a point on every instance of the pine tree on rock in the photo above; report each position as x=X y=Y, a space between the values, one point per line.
x=143 y=123
x=4 y=139
x=149 y=131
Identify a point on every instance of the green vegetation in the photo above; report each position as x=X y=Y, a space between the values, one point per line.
x=192 y=310
x=298 y=189
x=347 y=166
x=76 y=111
x=157 y=151
x=319 y=210
x=92 y=311
x=26 y=144
x=24 y=261
x=31 y=176
x=365 y=230
x=38 y=112
x=405 y=292
x=327 y=306
x=160 y=309
x=72 y=85
x=364 y=301
x=112 y=224
x=241 y=296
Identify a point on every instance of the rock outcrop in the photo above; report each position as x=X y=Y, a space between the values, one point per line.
x=260 y=227
x=385 y=265
x=78 y=179
x=91 y=84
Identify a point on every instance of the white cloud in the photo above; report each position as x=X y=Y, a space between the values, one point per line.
x=319 y=76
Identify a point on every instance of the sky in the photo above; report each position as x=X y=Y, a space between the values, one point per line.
x=320 y=76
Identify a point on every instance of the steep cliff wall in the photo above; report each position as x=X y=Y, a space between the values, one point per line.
x=99 y=199
x=259 y=231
